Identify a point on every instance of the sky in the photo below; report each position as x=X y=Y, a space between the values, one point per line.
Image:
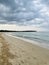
x=31 y=13
x=19 y=28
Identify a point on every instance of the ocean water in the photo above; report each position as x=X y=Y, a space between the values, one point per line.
x=42 y=37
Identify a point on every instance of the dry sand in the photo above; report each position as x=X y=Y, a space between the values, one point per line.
x=14 y=51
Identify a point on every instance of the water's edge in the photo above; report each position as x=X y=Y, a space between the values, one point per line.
x=30 y=41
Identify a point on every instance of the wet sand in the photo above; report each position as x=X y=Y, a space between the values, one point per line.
x=14 y=51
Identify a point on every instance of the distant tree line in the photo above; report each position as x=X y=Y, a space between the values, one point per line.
x=17 y=31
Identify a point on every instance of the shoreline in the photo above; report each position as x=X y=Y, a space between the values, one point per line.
x=29 y=41
x=20 y=52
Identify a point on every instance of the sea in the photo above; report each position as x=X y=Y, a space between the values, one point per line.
x=41 y=37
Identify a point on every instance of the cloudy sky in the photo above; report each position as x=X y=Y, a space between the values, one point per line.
x=33 y=13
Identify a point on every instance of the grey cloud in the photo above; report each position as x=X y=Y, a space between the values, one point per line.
x=10 y=3
x=18 y=14
x=45 y=2
x=22 y=12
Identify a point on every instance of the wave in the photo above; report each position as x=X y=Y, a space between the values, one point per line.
x=34 y=38
x=41 y=38
x=37 y=36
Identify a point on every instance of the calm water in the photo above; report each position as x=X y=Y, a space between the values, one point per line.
x=42 y=37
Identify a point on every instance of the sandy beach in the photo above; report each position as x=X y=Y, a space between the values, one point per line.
x=15 y=51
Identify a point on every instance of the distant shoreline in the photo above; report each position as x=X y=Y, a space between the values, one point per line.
x=17 y=31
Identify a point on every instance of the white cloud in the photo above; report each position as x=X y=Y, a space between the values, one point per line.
x=16 y=1
x=44 y=24
x=19 y=28
x=44 y=11
x=23 y=9
x=37 y=4
x=32 y=21
x=3 y=20
x=21 y=4
x=26 y=14
x=4 y=8
x=7 y=27
x=38 y=20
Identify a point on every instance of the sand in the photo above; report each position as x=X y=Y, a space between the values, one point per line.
x=15 y=51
